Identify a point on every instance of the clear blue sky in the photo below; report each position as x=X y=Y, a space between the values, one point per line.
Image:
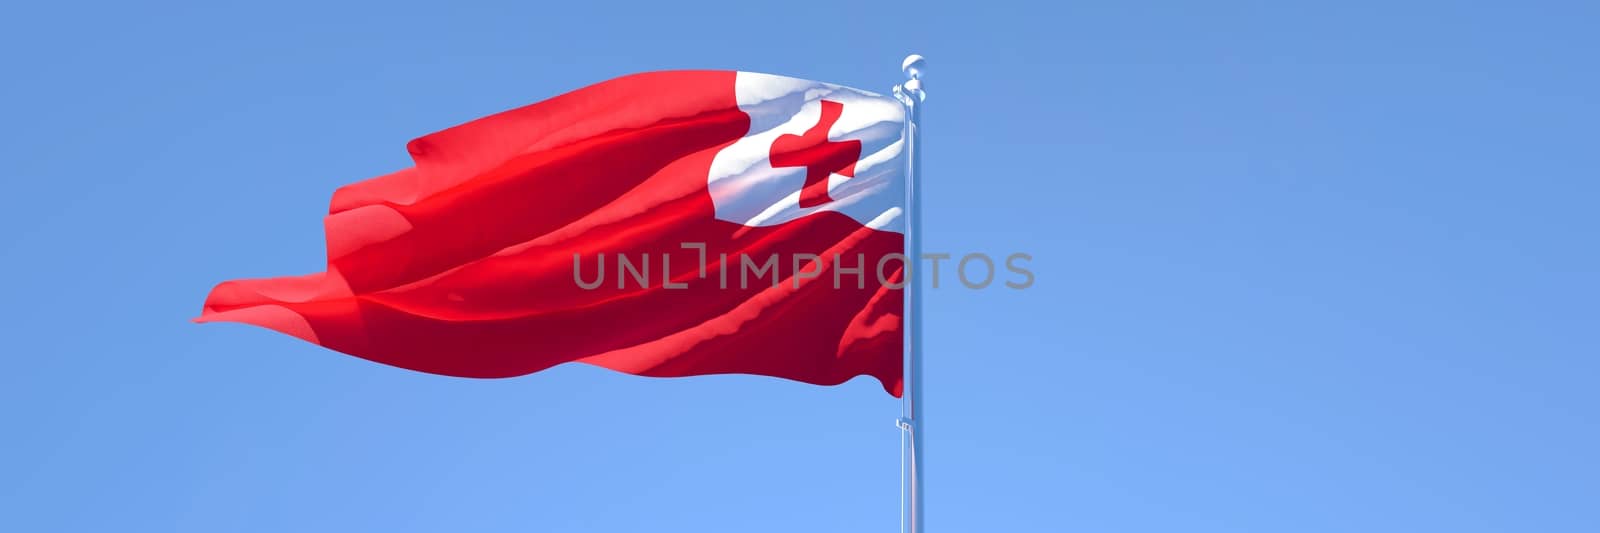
x=1300 y=269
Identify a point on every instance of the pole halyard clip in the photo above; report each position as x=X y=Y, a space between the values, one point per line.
x=903 y=423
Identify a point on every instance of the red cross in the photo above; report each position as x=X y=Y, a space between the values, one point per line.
x=819 y=155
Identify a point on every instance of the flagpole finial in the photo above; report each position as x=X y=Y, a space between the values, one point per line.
x=914 y=66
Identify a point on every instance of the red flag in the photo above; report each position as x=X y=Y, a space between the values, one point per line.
x=661 y=224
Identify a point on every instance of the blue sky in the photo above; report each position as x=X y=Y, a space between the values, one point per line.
x=1300 y=268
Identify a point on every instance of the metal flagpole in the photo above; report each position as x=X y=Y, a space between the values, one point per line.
x=912 y=416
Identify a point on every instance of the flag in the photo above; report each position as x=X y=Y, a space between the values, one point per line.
x=664 y=224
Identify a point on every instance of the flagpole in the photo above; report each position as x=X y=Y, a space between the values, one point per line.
x=912 y=415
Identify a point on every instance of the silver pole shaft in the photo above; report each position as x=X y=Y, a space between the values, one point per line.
x=913 y=412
